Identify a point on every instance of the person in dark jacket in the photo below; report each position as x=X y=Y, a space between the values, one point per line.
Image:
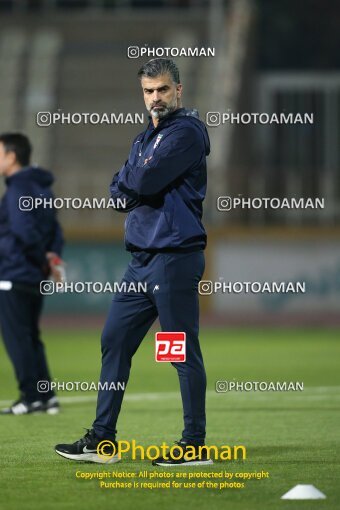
x=30 y=240
x=163 y=184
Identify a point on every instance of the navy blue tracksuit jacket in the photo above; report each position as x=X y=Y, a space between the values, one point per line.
x=164 y=184
x=26 y=235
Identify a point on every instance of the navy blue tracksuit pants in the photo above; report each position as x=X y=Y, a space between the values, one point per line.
x=172 y=295
x=20 y=311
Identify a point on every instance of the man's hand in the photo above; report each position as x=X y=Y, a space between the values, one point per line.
x=56 y=267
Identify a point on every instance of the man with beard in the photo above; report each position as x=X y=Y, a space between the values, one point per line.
x=164 y=184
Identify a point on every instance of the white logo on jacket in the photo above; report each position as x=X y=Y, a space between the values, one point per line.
x=158 y=139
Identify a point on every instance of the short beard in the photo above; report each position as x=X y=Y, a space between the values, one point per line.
x=160 y=114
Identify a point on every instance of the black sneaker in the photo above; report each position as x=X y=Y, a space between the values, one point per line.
x=184 y=456
x=86 y=450
x=22 y=407
x=52 y=406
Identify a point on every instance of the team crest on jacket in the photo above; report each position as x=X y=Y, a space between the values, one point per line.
x=158 y=139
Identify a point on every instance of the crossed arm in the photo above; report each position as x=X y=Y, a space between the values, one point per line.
x=178 y=152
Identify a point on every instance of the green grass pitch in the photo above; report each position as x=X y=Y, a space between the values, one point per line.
x=292 y=435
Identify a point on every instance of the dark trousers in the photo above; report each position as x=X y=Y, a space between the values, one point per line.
x=172 y=295
x=20 y=312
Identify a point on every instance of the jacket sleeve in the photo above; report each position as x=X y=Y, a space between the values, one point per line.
x=57 y=243
x=177 y=153
x=23 y=226
x=130 y=198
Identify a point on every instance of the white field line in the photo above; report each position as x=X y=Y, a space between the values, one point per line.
x=311 y=392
